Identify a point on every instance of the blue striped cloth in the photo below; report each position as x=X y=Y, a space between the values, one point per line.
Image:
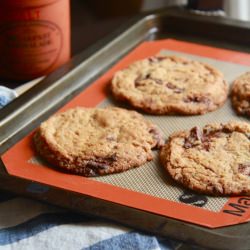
x=27 y=224
x=6 y=95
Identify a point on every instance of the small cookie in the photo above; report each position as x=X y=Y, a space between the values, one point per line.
x=97 y=141
x=214 y=160
x=240 y=94
x=170 y=85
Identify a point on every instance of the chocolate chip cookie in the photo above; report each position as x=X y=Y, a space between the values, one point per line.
x=97 y=141
x=170 y=85
x=240 y=94
x=214 y=160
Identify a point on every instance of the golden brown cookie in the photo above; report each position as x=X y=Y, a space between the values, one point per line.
x=214 y=160
x=240 y=94
x=97 y=141
x=170 y=85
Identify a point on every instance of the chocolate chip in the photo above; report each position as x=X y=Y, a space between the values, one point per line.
x=139 y=80
x=154 y=59
x=157 y=136
x=139 y=84
x=226 y=130
x=194 y=136
x=111 y=158
x=197 y=138
x=244 y=168
x=170 y=85
x=175 y=89
x=96 y=165
x=196 y=133
x=197 y=99
x=208 y=134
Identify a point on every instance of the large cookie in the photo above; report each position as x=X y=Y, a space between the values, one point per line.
x=213 y=160
x=96 y=141
x=170 y=85
x=240 y=94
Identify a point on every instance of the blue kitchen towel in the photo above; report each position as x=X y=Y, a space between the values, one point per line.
x=28 y=224
x=6 y=95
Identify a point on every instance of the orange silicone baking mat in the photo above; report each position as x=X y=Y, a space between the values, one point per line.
x=148 y=187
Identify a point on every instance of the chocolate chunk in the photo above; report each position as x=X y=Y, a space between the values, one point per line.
x=157 y=136
x=96 y=165
x=244 y=168
x=101 y=163
x=196 y=133
x=197 y=137
x=197 y=99
x=194 y=136
x=139 y=80
x=209 y=133
x=154 y=59
x=206 y=145
x=175 y=89
x=225 y=130
x=110 y=158
x=207 y=136
x=170 y=85
x=138 y=84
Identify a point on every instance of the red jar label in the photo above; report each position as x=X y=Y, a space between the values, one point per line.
x=29 y=48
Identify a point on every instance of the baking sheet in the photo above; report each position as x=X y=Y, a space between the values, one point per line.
x=149 y=184
x=153 y=179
